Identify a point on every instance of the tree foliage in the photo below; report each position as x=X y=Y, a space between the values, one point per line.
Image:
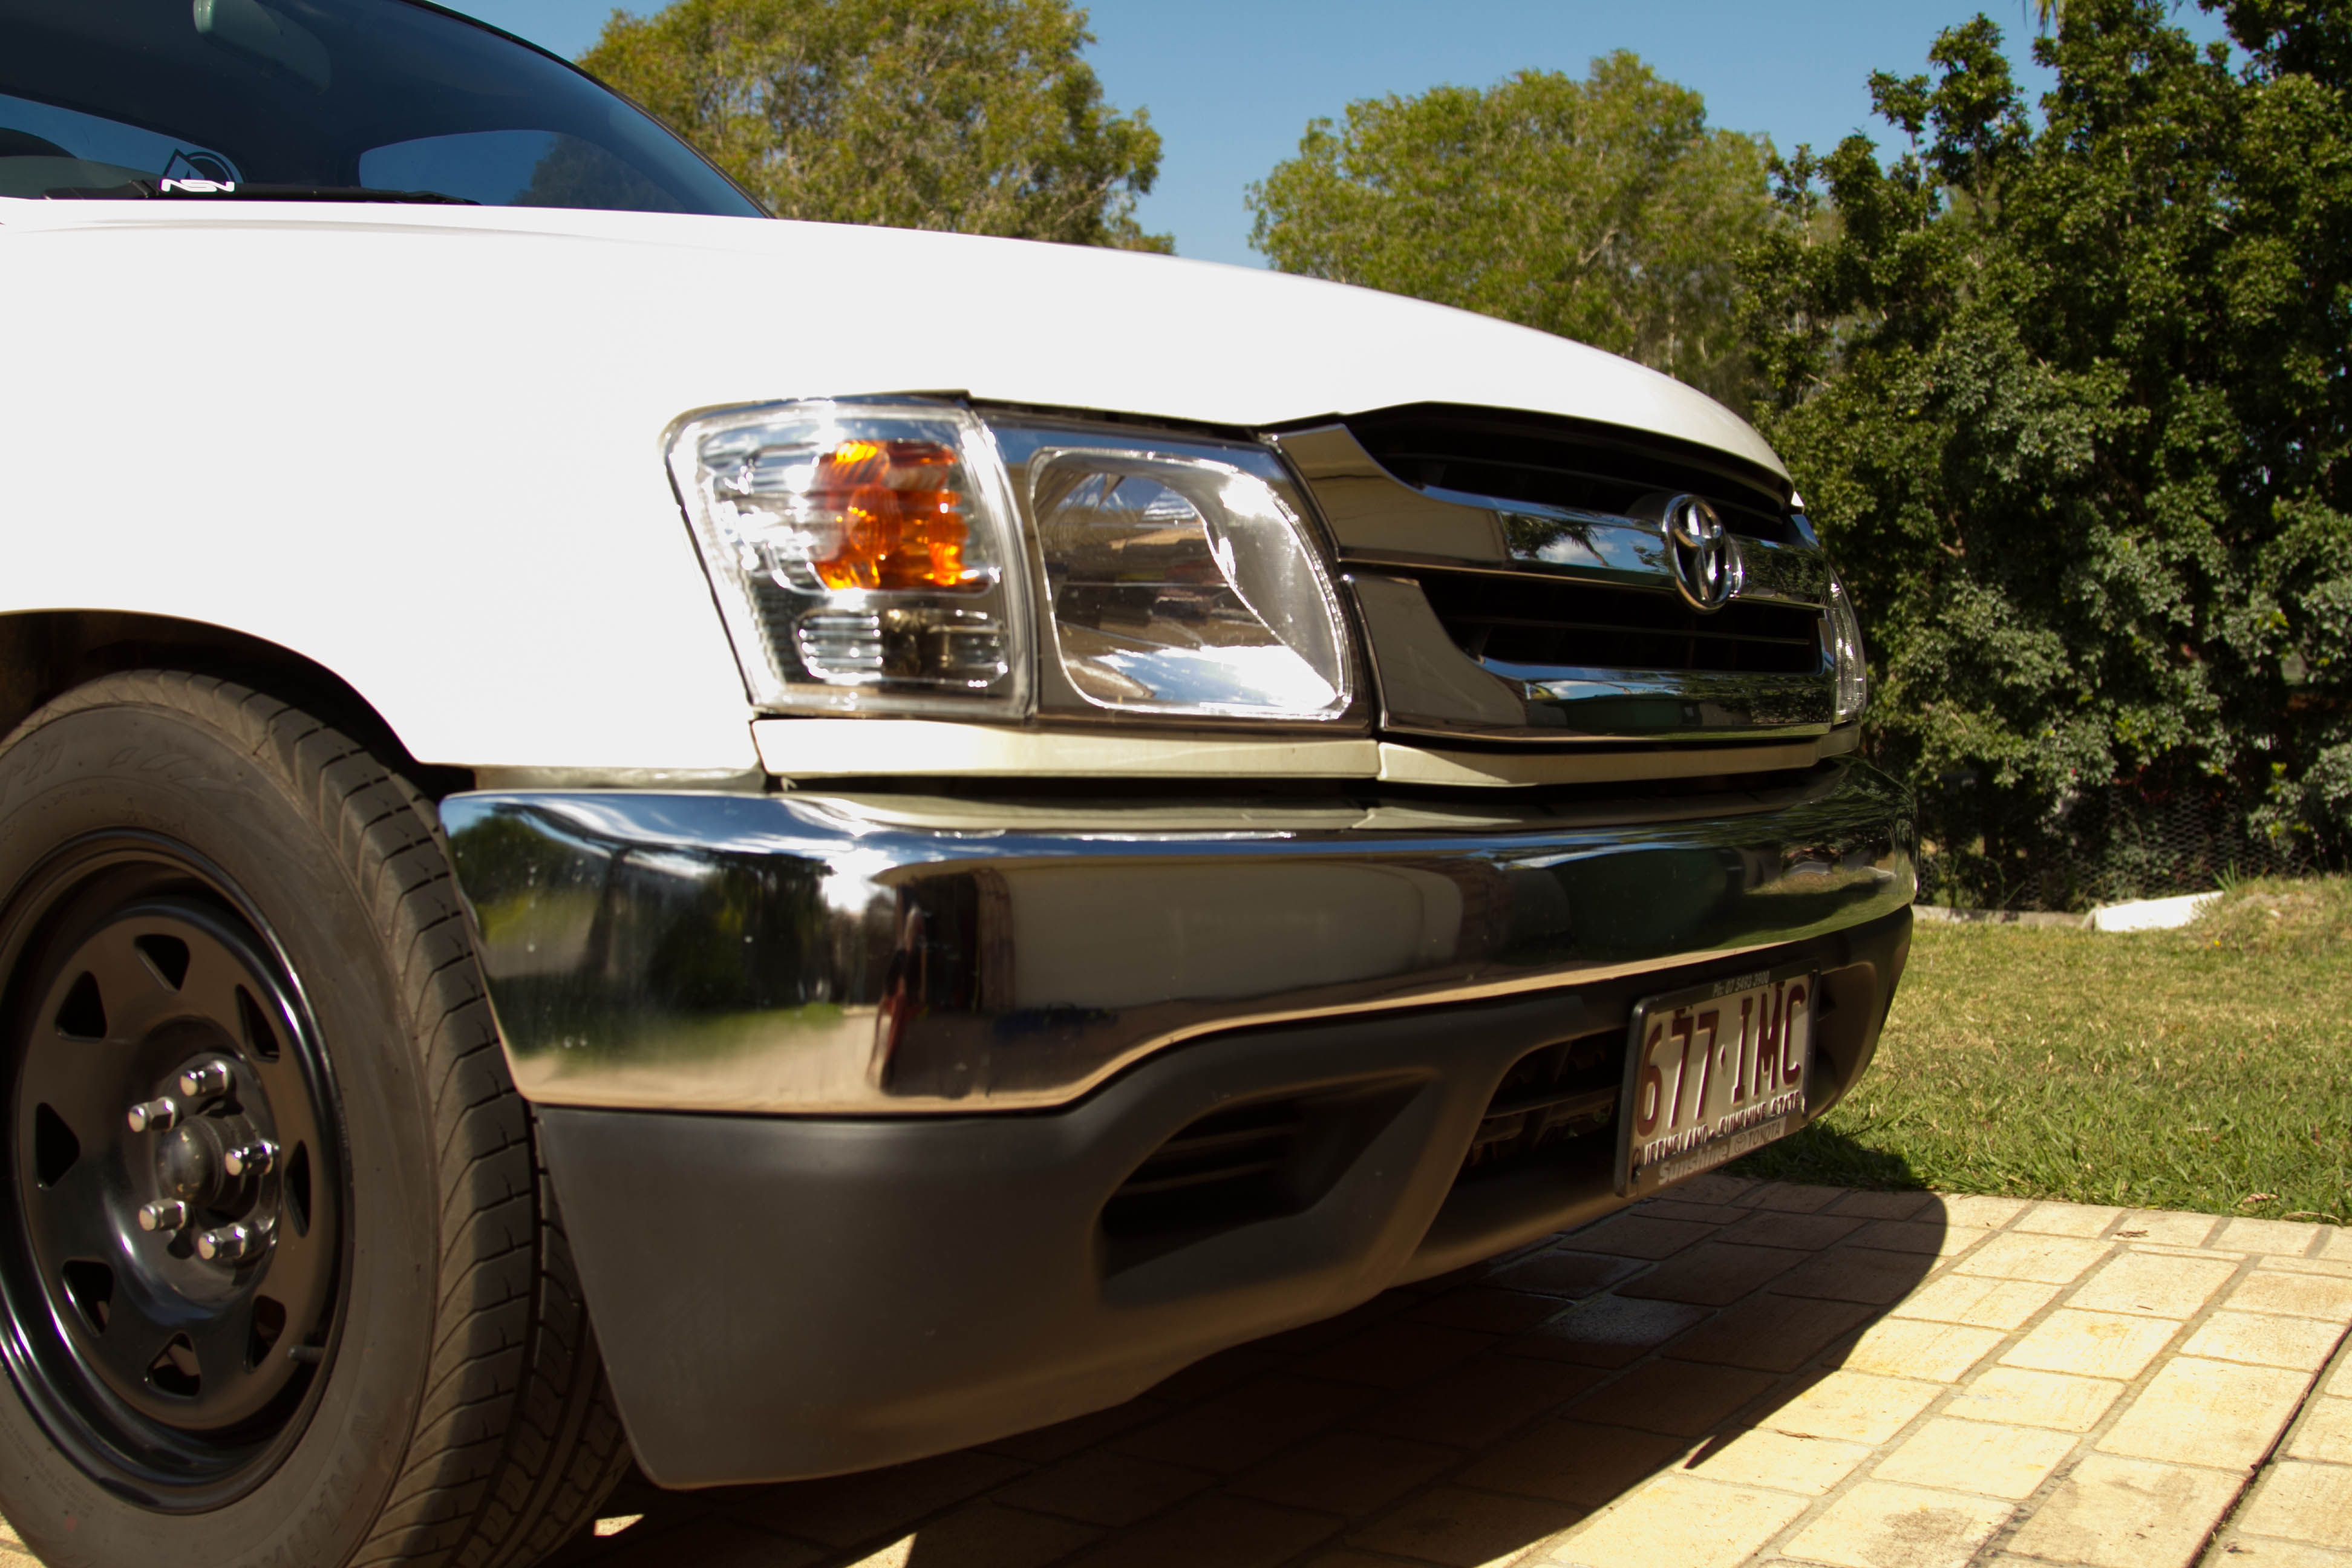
x=1605 y=210
x=2072 y=402
x=973 y=115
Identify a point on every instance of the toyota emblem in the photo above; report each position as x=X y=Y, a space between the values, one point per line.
x=1699 y=553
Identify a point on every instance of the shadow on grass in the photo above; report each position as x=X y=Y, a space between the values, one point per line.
x=1820 y=1156
x=1458 y=1420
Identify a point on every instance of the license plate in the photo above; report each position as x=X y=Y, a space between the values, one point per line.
x=1712 y=1073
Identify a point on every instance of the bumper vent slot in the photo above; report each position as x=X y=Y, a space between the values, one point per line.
x=1227 y=1168
x=1561 y=1095
x=1557 y=625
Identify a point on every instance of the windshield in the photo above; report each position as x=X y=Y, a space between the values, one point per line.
x=357 y=99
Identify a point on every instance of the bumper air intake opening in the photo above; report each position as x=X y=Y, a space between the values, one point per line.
x=1242 y=1165
x=1556 y=1104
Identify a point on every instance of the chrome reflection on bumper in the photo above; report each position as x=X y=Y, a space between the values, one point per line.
x=806 y=953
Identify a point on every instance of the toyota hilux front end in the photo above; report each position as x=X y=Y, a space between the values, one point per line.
x=812 y=845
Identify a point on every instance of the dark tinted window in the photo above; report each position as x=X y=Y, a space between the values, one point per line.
x=380 y=95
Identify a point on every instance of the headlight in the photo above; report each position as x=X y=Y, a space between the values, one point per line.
x=870 y=557
x=860 y=553
x=1846 y=645
x=1184 y=583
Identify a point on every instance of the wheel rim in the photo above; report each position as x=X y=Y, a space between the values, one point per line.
x=176 y=1271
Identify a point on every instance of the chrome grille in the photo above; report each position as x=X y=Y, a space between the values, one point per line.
x=1529 y=620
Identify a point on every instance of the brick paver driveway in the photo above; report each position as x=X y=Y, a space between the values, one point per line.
x=1736 y=1374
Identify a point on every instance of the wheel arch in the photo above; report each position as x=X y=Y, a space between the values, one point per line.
x=45 y=653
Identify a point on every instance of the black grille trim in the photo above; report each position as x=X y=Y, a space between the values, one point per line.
x=1532 y=620
x=1558 y=1097
x=1563 y=463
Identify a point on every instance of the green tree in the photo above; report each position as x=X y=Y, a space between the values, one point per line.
x=1604 y=210
x=973 y=115
x=2072 y=401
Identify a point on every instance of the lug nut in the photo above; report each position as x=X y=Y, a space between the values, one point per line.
x=230 y=1243
x=155 y=1116
x=253 y=1158
x=163 y=1214
x=205 y=1081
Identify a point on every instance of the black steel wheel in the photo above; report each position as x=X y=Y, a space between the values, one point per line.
x=281 y=1275
x=178 y=1173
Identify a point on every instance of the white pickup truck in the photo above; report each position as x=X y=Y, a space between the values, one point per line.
x=920 y=829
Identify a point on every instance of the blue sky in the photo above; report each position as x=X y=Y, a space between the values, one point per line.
x=1231 y=83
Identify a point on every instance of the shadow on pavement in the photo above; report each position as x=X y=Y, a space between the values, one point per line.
x=1729 y=1328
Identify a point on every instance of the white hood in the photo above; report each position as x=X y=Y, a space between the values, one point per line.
x=308 y=422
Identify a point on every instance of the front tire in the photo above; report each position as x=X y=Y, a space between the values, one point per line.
x=281 y=1272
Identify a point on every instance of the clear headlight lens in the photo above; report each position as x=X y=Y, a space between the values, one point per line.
x=1185 y=583
x=1846 y=645
x=859 y=552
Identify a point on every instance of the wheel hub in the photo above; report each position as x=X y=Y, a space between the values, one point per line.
x=214 y=1160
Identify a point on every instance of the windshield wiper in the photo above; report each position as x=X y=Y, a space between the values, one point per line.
x=248 y=191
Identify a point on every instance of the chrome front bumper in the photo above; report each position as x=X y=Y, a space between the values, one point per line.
x=846 y=955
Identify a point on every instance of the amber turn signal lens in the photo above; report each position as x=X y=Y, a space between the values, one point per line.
x=900 y=526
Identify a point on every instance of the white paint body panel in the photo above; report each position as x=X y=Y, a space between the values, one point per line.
x=422 y=445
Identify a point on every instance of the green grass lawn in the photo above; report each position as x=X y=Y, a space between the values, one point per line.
x=2208 y=1067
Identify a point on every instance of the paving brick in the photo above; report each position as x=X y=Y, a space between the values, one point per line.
x=1853 y=1407
x=1638 y=1236
x=1351 y=1474
x=1237 y=1430
x=1978 y=1457
x=1565 y=1273
x=1207 y=1378
x=2289 y=1238
x=980 y=1535
x=1484 y=1310
x=1913 y=1347
x=1063 y=1438
x=1715 y=1188
x=1482 y=1400
x=2153 y=1284
x=1793 y=1197
x=848 y=1509
x=2049 y=1260
x=2096 y=1344
x=2207 y=1413
x=1575 y=1462
x=2013 y=1396
x=1879 y=1524
x=1705 y=1214
x=2173 y=1229
x=1781 y=1460
x=1309 y=1337
x=2126 y=1514
x=1773 y=1227
x=2340 y=1381
x=1882 y=1206
x=1230 y=1532
x=1771 y=1333
x=1982 y=1303
x=1395 y=1354
x=1976 y=1213
x=2335 y=1242
x=2266 y=1340
x=1608 y=1331
x=1856 y=1274
x=2302 y=1503
x=1713 y=1274
x=1673 y=1398
x=1680 y=1521
x=2293 y=1295
x=2067 y=1219
x=714 y=1541
x=2325 y=1432
x=1460 y=1527
x=1926 y=1238
x=2268 y=1551
x=2341 y=1268
x=1106 y=1488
